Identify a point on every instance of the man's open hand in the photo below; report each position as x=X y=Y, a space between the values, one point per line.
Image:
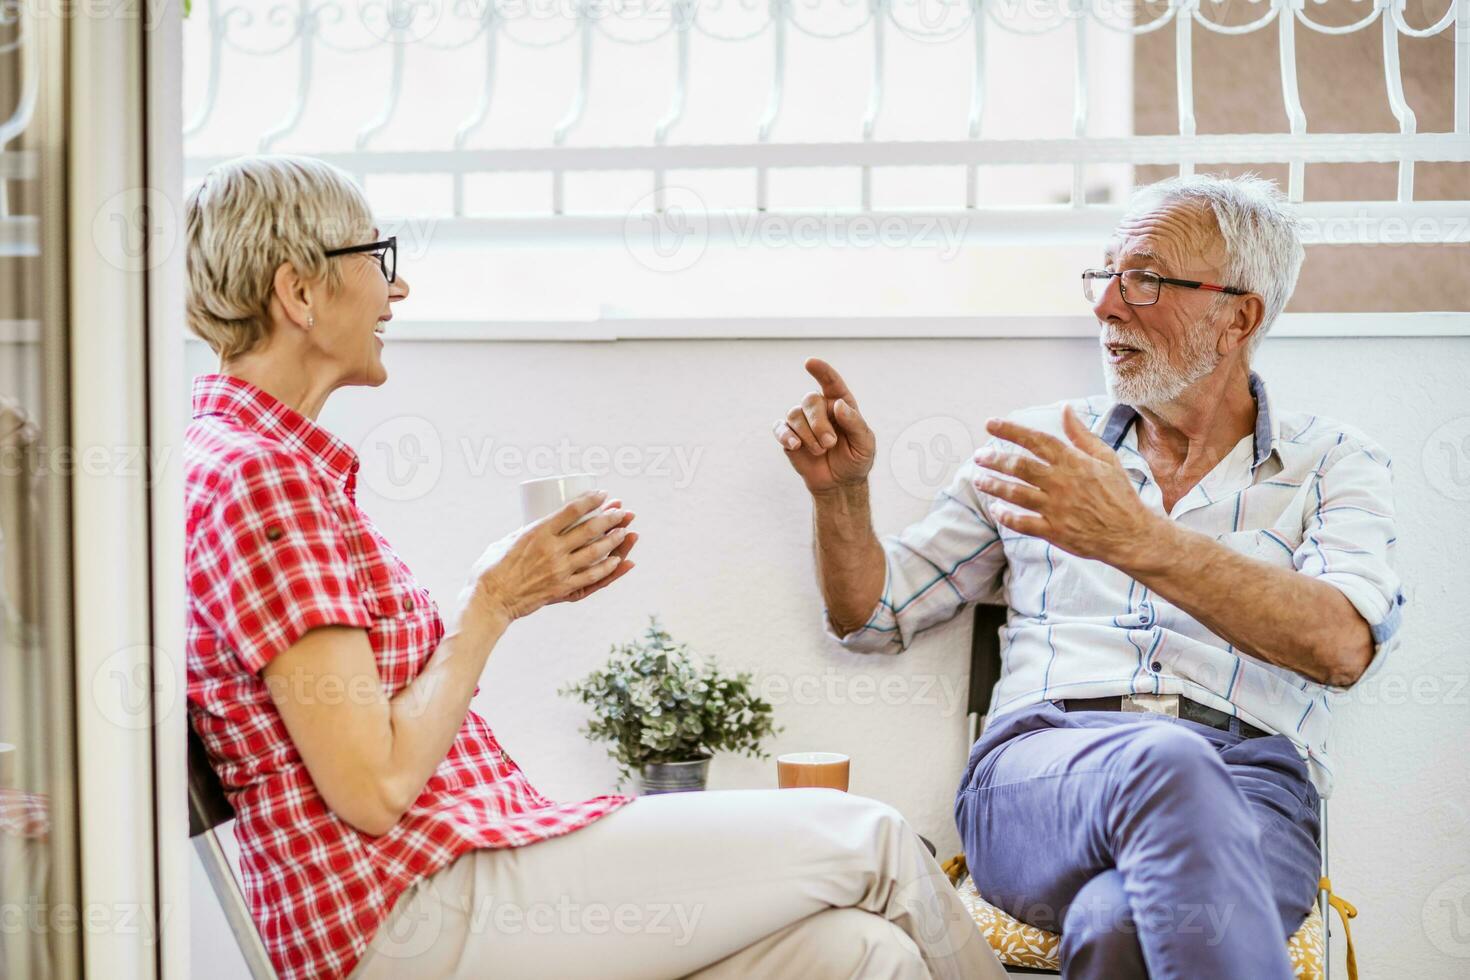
x=1075 y=495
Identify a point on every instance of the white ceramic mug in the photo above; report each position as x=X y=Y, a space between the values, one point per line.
x=549 y=494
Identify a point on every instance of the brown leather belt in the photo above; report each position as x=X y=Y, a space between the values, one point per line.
x=1188 y=710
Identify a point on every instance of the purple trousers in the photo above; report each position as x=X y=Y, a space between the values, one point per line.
x=1156 y=847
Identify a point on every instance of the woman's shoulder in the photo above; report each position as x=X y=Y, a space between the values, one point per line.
x=224 y=458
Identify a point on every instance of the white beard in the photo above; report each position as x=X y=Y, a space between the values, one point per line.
x=1150 y=379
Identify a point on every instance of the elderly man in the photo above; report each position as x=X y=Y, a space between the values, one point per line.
x=1190 y=572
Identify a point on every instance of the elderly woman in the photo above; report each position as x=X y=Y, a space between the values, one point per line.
x=383 y=830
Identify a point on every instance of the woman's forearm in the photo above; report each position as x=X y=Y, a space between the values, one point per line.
x=555 y=559
x=427 y=714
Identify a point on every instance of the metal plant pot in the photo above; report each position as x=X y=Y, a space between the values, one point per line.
x=673 y=777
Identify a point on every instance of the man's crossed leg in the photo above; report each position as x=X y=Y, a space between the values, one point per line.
x=1156 y=847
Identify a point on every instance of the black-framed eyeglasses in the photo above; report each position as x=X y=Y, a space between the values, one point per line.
x=386 y=251
x=1141 y=287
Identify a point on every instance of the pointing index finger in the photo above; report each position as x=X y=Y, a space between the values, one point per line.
x=826 y=375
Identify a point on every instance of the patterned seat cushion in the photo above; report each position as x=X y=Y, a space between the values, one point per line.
x=1018 y=944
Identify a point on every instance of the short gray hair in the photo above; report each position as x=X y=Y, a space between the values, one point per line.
x=1258 y=228
x=247 y=217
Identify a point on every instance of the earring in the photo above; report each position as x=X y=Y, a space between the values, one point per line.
x=310 y=321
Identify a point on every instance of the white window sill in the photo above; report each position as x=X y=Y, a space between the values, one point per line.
x=1448 y=324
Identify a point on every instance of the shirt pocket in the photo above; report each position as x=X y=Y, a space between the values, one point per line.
x=402 y=631
x=403 y=634
x=393 y=597
x=405 y=621
x=1271 y=545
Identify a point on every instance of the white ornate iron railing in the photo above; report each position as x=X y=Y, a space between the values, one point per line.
x=310 y=27
x=19 y=234
x=307 y=27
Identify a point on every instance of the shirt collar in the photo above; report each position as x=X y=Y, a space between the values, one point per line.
x=228 y=397
x=1118 y=419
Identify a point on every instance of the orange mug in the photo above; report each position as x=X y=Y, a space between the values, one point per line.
x=801 y=769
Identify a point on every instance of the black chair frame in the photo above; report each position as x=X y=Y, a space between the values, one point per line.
x=209 y=810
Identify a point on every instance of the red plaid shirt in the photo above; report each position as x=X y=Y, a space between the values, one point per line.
x=276 y=546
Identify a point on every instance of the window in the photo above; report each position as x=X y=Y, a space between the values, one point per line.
x=570 y=160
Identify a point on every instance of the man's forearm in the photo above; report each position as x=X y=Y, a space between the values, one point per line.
x=850 y=563
x=1280 y=616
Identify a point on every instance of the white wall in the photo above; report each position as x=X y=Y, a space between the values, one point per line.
x=725 y=561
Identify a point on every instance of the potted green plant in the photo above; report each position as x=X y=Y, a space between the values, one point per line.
x=665 y=713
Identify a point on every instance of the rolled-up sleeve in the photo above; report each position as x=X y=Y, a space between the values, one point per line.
x=273 y=563
x=938 y=565
x=1349 y=536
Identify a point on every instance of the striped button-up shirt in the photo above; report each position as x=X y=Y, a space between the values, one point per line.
x=1301 y=492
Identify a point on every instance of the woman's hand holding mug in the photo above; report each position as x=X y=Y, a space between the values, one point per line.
x=554 y=559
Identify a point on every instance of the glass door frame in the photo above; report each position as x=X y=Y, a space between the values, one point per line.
x=49 y=45
x=167 y=416
x=117 y=231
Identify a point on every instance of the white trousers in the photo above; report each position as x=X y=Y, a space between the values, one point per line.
x=810 y=884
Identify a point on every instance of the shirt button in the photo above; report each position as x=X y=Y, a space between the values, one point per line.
x=408 y=604
x=274 y=533
x=1156 y=666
